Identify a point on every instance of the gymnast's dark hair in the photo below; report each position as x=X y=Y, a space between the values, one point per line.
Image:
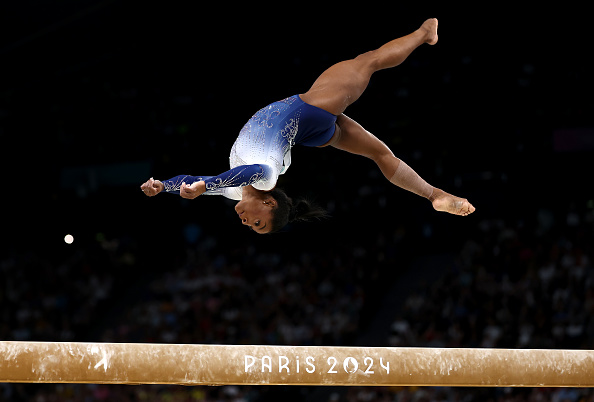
x=288 y=211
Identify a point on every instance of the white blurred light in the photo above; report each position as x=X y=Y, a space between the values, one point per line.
x=68 y=239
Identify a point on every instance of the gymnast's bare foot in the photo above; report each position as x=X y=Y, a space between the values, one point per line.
x=430 y=26
x=445 y=202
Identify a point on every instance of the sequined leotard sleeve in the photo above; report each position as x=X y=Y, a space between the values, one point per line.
x=227 y=184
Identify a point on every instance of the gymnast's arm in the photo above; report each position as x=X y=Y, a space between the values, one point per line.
x=224 y=184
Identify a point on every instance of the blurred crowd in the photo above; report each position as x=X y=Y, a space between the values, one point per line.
x=513 y=284
x=511 y=287
x=527 y=284
x=157 y=276
x=211 y=300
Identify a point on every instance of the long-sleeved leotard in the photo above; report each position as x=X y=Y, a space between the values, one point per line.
x=227 y=184
x=262 y=150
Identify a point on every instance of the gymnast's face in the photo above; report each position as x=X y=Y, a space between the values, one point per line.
x=256 y=213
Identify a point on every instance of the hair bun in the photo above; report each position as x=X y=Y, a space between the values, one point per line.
x=305 y=210
x=288 y=210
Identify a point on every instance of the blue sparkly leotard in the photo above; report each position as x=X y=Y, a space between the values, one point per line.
x=262 y=151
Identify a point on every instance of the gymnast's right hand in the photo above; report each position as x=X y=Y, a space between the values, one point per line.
x=152 y=187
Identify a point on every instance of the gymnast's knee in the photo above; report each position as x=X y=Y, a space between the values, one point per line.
x=370 y=60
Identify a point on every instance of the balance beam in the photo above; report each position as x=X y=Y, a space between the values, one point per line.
x=137 y=363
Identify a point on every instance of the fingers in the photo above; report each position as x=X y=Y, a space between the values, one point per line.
x=149 y=188
x=145 y=187
x=187 y=192
x=153 y=187
x=190 y=191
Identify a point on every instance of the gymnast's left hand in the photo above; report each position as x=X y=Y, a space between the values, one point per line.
x=192 y=191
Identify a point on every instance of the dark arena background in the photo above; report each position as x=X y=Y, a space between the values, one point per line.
x=98 y=96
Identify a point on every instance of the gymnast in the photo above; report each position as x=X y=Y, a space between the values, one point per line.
x=262 y=150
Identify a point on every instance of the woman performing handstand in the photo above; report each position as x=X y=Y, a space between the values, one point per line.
x=262 y=150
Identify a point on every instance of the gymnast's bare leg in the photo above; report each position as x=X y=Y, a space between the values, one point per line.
x=343 y=83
